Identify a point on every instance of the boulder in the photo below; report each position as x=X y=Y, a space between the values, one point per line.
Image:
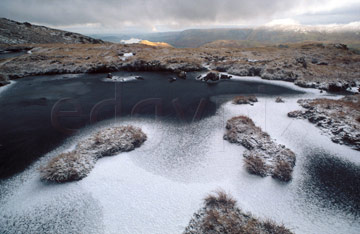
x=109 y=75
x=302 y=61
x=279 y=100
x=225 y=77
x=336 y=87
x=295 y=114
x=172 y=79
x=4 y=80
x=213 y=76
x=182 y=75
x=341 y=46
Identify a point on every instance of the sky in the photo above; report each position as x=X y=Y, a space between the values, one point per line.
x=138 y=16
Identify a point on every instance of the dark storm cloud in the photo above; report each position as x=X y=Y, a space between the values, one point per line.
x=181 y=13
x=118 y=12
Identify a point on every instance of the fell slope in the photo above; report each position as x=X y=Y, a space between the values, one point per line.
x=12 y=32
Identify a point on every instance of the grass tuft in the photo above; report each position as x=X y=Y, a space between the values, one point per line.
x=254 y=164
x=282 y=171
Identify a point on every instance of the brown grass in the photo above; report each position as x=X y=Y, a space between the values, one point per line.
x=221 y=215
x=282 y=171
x=254 y=164
x=65 y=167
x=271 y=227
x=219 y=199
x=244 y=99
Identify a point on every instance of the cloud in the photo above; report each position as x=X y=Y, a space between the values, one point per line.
x=150 y=13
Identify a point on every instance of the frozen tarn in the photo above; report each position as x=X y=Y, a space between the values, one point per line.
x=158 y=187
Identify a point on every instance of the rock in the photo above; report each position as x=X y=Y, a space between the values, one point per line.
x=314 y=61
x=341 y=46
x=213 y=76
x=172 y=79
x=139 y=78
x=322 y=63
x=279 y=100
x=27 y=24
x=4 y=82
x=255 y=71
x=182 y=75
x=225 y=77
x=337 y=118
x=283 y=46
x=302 y=61
x=109 y=75
x=336 y=87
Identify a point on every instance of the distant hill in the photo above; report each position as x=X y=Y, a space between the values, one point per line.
x=194 y=38
x=234 y=44
x=12 y=32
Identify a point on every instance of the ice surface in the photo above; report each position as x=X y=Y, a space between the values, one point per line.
x=120 y=79
x=6 y=87
x=158 y=187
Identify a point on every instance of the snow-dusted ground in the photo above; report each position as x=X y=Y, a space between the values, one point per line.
x=131 y=41
x=157 y=187
x=125 y=56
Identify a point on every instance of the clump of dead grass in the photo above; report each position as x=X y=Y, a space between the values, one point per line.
x=254 y=164
x=282 y=171
x=77 y=164
x=244 y=100
x=220 y=214
x=69 y=166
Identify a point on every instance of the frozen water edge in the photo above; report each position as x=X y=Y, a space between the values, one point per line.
x=157 y=187
x=6 y=87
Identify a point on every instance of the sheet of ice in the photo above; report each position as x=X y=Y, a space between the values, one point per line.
x=158 y=187
x=120 y=79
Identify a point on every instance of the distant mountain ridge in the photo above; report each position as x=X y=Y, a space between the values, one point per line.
x=12 y=32
x=194 y=38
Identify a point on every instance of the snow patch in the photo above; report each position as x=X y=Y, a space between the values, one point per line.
x=131 y=41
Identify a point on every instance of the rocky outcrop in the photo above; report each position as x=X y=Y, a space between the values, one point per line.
x=4 y=80
x=220 y=214
x=279 y=100
x=339 y=119
x=182 y=75
x=12 y=32
x=77 y=164
x=263 y=156
x=214 y=77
